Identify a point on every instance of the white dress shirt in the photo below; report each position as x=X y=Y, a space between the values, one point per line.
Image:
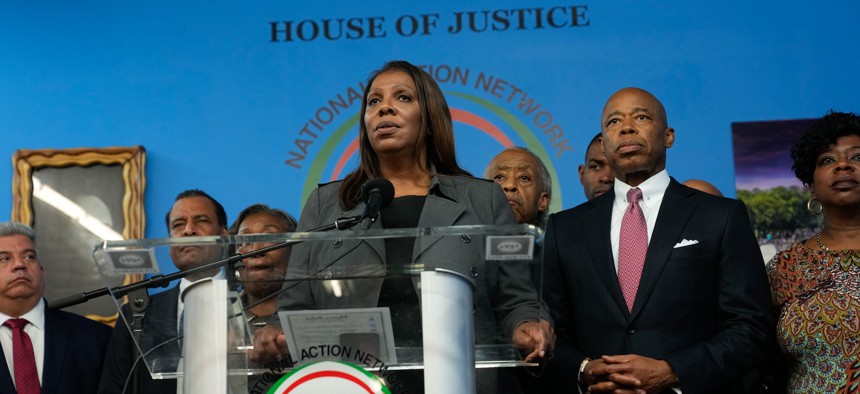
x=653 y=190
x=36 y=331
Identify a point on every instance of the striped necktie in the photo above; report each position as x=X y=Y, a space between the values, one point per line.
x=23 y=358
x=632 y=247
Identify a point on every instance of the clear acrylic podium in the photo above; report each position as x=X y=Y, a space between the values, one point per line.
x=444 y=310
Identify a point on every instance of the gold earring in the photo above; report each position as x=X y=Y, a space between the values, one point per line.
x=814 y=206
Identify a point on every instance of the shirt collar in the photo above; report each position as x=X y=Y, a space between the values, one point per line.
x=435 y=187
x=440 y=185
x=35 y=316
x=652 y=187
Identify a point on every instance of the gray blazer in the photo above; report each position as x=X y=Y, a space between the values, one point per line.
x=504 y=296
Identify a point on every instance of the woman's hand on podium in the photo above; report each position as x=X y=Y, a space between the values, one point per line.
x=270 y=345
x=537 y=338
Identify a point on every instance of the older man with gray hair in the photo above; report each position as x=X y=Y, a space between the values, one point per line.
x=526 y=183
x=45 y=350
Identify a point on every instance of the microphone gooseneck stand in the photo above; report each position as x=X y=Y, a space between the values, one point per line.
x=139 y=303
x=164 y=280
x=377 y=193
x=139 y=298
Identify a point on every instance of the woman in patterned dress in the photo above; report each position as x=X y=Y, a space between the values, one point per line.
x=816 y=283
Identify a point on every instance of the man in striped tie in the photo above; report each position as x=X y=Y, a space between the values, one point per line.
x=45 y=351
x=654 y=287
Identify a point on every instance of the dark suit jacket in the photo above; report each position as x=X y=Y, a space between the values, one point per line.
x=704 y=308
x=160 y=326
x=74 y=351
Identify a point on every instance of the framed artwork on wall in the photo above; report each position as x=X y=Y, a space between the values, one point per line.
x=75 y=199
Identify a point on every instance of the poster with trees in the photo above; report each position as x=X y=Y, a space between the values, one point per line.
x=765 y=182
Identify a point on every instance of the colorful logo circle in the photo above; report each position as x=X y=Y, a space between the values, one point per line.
x=329 y=377
x=341 y=147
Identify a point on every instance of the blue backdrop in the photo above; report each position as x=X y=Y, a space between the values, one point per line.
x=257 y=101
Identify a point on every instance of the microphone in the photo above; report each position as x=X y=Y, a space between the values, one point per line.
x=377 y=194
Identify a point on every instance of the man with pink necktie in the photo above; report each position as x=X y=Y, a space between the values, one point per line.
x=44 y=350
x=654 y=287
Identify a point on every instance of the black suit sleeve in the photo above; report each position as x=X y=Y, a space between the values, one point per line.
x=118 y=360
x=74 y=352
x=516 y=301
x=160 y=326
x=561 y=370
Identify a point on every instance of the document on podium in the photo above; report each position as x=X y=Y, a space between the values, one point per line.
x=339 y=334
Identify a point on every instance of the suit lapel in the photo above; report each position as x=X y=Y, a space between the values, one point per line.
x=160 y=323
x=437 y=212
x=674 y=213
x=377 y=244
x=56 y=344
x=7 y=384
x=597 y=233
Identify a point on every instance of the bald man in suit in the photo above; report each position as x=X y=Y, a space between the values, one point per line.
x=673 y=299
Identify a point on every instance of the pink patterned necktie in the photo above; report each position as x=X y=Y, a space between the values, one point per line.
x=632 y=247
x=23 y=358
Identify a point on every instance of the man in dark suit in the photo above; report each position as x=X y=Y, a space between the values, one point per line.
x=528 y=186
x=47 y=351
x=657 y=290
x=194 y=213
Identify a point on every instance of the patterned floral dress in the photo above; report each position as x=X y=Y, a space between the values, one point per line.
x=818 y=296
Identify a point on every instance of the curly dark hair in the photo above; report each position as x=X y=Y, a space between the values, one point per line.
x=821 y=134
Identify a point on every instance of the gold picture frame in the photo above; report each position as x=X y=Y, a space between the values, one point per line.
x=73 y=199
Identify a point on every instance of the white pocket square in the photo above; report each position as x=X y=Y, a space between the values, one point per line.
x=685 y=242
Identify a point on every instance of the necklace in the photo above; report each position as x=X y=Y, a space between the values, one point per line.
x=820 y=244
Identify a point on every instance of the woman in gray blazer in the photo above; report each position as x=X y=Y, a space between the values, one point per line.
x=406 y=136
